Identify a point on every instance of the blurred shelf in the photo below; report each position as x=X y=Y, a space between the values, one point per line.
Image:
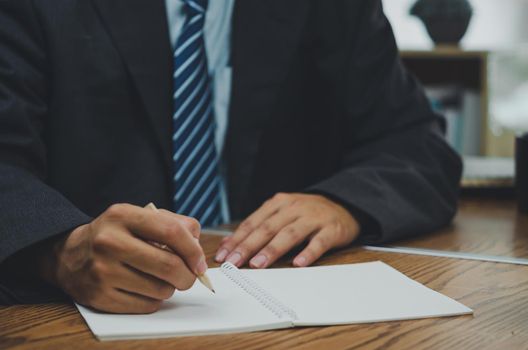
x=444 y=52
x=467 y=69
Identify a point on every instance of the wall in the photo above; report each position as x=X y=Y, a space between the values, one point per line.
x=496 y=24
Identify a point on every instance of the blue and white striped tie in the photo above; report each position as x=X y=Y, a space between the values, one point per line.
x=196 y=173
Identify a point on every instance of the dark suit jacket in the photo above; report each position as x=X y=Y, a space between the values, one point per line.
x=320 y=103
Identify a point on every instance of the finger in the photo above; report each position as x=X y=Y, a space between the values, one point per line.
x=228 y=244
x=122 y=302
x=289 y=237
x=320 y=243
x=159 y=263
x=247 y=226
x=188 y=222
x=260 y=237
x=134 y=281
x=142 y=256
x=222 y=252
x=191 y=224
x=153 y=226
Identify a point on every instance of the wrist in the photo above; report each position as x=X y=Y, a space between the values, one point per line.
x=47 y=258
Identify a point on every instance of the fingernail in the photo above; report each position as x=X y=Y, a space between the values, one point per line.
x=299 y=261
x=259 y=261
x=234 y=258
x=221 y=255
x=202 y=267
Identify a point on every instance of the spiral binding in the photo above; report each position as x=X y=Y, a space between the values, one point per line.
x=257 y=292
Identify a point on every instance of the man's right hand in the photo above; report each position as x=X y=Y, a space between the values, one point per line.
x=108 y=264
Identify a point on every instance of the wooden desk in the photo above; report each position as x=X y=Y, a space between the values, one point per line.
x=497 y=292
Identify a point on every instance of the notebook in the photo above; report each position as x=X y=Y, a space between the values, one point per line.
x=255 y=300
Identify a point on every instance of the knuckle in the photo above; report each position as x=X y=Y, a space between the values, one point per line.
x=310 y=253
x=165 y=291
x=103 y=241
x=152 y=306
x=243 y=249
x=321 y=243
x=340 y=231
x=193 y=225
x=314 y=251
x=266 y=228
x=186 y=282
x=196 y=254
x=169 y=264
x=280 y=196
x=246 y=226
x=141 y=218
x=269 y=202
x=115 y=211
x=229 y=246
x=171 y=233
x=271 y=251
x=297 y=204
x=99 y=272
x=292 y=233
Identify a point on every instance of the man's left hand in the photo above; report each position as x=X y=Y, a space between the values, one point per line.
x=284 y=222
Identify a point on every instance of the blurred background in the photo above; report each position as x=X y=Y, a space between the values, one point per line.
x=472 y=58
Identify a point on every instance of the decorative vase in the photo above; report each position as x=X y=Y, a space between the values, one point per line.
x=446 y=21
x=521 y=172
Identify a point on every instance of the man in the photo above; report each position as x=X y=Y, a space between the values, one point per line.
x=296 y=115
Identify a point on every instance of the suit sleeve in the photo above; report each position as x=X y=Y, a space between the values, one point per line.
x=398 y=176
x=31 y=211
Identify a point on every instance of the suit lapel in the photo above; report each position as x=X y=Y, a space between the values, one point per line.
x=140 y=32
x=265 y=36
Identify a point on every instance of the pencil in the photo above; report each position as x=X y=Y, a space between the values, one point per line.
x=204 y=279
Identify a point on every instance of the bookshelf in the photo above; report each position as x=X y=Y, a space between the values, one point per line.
x=448 y=66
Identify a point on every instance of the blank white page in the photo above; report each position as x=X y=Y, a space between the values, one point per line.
x=193 y=312
x=357 y=293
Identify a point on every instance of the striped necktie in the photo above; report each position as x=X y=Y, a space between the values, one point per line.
x=196 y=173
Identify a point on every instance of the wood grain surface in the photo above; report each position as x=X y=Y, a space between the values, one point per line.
x=497 y=292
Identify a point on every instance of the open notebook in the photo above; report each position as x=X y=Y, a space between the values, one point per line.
x=253 y=300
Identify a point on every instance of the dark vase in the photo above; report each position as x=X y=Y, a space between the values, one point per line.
x=446 y=21
x=521 y=172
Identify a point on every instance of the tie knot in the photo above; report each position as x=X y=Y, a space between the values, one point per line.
x=195 y=7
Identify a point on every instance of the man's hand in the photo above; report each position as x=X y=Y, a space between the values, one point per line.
x=108 y=264
x=284 y=222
